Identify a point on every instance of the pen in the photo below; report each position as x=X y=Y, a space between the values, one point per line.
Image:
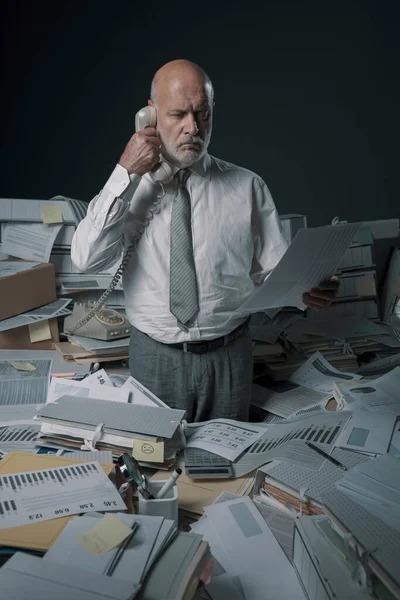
x=168 y=484
x=327 y=456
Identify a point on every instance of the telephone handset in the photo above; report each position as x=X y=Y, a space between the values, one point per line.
x=161 y=173
x=147 y=117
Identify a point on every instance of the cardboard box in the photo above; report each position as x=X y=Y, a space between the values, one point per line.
x=19 y=339
x=27 y=290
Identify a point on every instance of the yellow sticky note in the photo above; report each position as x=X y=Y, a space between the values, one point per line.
x=106 y=535
x=51 y=213
x=147 y=450
x=39 y=331
x=22 y=366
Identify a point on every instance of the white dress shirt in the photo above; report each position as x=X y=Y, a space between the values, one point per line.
x=237 y=241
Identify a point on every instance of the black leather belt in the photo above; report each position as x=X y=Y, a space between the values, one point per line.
x=200 y=347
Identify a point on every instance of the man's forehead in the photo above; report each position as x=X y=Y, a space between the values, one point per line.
x=183 y=91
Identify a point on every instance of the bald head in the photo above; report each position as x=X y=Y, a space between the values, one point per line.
x=182 y=94
x=179 y=74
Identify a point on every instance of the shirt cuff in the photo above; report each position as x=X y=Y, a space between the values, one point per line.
x=119 y=180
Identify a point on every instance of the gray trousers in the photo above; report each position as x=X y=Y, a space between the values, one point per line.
x=215 y=384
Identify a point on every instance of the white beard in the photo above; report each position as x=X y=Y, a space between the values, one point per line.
x=185 y=158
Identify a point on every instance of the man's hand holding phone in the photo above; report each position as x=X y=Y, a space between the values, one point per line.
x=142 y=152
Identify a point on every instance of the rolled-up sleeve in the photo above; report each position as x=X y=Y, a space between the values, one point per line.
x=270 y=243
x=98 y=241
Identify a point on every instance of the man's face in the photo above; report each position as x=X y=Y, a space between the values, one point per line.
x=184 y=121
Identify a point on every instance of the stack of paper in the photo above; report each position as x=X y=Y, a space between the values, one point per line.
x=75 y=421
x=25 y=576
x=253 y=564
x=136 y=549
x=75 y=546
x=33 y=227
x=301 y=486
x=75 y=353
x=375 y=485
x=380 y=543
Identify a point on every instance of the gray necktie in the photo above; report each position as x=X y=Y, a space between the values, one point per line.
x=183 y=287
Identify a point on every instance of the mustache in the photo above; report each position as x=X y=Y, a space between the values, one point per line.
x=191 y=139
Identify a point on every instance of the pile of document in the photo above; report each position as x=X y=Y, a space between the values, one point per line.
x=85 y=420
x=348 y=330
x=251 y=563
x=36 y=228
x=41 y=494
x=24 y=386
x=84 y=350
x=375 y=485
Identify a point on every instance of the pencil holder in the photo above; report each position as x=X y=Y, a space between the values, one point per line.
x=166 y=507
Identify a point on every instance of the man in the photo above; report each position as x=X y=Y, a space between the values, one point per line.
x=216 y=234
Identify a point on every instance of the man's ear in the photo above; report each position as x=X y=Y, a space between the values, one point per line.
x=151 y=103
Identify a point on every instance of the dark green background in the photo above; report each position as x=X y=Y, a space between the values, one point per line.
x=307 y=95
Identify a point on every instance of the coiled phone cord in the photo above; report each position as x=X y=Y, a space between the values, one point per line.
x=124 y=263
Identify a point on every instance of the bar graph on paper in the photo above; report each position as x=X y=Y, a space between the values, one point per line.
x=286 y=441
x=34 y=496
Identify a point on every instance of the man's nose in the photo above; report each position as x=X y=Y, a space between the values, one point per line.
x=191 y=125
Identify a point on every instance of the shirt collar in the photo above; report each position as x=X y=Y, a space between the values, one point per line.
x=201 y=167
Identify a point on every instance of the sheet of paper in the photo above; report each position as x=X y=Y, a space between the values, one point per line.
x=286 y=440
x=313 y=256
x=18 y=412
x=48 y=311
x=371 y=532
x=319 y=375
x=85 y=389
x=12 y=267
x=34 y=496
x=141 y=395
x=69 y=551
x=378 y=395
x=225 y=437
x=35 y=536
x=100 y=377
x=24 y=387
x=86 y=281
x=58 y=364
x=107 y=533
x=316 y=483
x=380 y=366
x=39 y=331
x=285 y=398
x=147 y=450
x=27 y=576
x=247 y=540
x=19 y=435
x=375 y=485
x=364 y=432
x=51 y=213
x=30 y=240
x=281 y=524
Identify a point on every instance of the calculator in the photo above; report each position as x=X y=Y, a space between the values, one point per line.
x=201 y=463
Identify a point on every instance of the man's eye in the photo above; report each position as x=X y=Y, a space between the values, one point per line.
x=204 y=114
